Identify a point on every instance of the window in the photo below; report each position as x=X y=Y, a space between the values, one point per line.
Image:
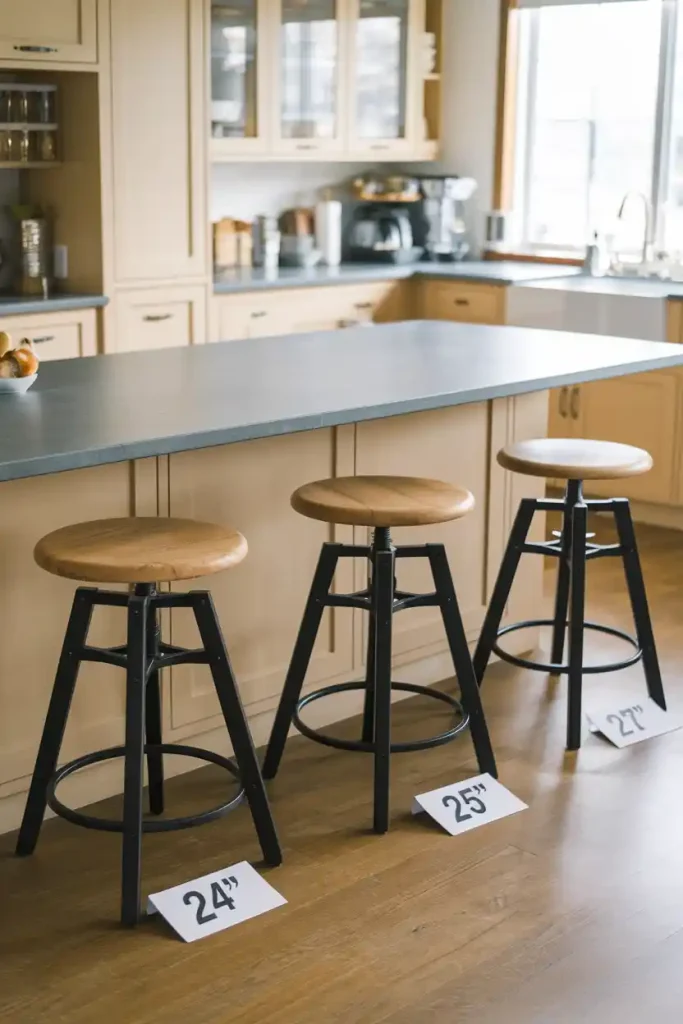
x=598 y=113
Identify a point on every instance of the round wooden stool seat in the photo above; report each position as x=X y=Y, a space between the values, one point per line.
x=140 y=550
x=382 y=501
x=574 y=459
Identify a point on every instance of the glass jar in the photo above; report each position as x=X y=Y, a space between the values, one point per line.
x=23 y=112
x=44 y=106
x=47 y=146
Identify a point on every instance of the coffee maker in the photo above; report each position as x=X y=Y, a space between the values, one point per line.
x=443 y=216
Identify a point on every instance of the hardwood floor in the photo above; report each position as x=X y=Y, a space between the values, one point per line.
x=570 y=911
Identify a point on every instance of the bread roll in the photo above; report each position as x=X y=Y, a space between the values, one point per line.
x=25 y=360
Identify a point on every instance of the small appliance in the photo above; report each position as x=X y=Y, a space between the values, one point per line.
x=381 y=232
x=444 y=223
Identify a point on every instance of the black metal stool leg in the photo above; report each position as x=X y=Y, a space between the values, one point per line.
x=462 y=662
x=301 y=656
x=563 y=577
x=636 y=591
x=383 y=603
x=233 y=713
x=55 y=722
x=138 y=610
x=576 y=624
x=155 y=761
x=503 y=585
x=368 y=731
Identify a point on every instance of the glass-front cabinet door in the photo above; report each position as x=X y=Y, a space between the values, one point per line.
x=311 y=48
x=384 y=96
x=239 y=85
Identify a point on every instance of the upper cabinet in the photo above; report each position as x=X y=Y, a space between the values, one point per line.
x=158 y=141
x=48 y=31
x=306 y=79
x=239 y=77
x=310 y=47
x=383 y=104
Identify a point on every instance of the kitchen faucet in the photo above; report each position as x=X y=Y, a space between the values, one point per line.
x=647 y=207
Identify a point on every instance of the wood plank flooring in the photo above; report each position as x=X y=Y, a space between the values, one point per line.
x=570 y=911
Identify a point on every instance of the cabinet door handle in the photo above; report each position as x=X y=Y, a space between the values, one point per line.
x=307 y=145
x=363 y=305
x=155 y=318
x=462 y=302
x=36 y=49
x=575 y=404
x=259 y=314
x=380 y=145
x=564 y=396
x=44 y=338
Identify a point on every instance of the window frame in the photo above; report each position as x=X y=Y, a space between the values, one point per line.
x=511 y=176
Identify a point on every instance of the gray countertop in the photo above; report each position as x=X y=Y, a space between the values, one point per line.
x=86 y=412
x=14 y=305
x=634 y=287
x=503 y=272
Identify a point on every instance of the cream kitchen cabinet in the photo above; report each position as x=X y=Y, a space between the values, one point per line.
x=158 y=141
x=48 y=31
x=384 y=77
x=64 y=334
x=160 y=318
x=287 y=311
x=324 y=79
x=463 y=301
x=240 y=54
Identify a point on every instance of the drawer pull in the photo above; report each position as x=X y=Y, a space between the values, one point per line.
x=43 y=339
x=462 y=302
x=380 y=145
x=307 y=145
x=564 y=396
x=155 y=318
x=363 y=305
x=37 y=49
x=575 y=404
x=260 y=313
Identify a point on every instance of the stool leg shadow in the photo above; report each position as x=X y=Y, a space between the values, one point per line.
x=301 y=656
x=462 y=662
x=236 y=723
x=55 y=721
x=136 y=671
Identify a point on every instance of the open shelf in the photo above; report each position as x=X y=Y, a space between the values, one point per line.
x=15 y=126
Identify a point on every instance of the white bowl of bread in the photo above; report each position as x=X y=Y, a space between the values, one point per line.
x=18 y=366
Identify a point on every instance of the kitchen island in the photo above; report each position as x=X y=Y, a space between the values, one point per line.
x=225 y=433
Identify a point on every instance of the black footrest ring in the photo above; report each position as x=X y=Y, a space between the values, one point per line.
x=149 y=824
x=368 y=748
x=557 y=670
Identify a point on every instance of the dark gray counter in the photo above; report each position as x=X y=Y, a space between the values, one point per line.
x=14 y=305
x=633 y=287
x=85 y=412
x=503 y=272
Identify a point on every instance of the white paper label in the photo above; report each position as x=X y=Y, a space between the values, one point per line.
x=466 y=805
x=220 y=900
x=631 y=723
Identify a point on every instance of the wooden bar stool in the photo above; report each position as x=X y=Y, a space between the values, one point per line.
x=381 y=502
x=573 y=460
x=143 y=552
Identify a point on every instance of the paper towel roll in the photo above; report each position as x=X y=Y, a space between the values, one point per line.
x=328 y=231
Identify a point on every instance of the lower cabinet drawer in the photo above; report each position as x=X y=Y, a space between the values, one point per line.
x=160 y=318
x=59 y=335
x=464 y=302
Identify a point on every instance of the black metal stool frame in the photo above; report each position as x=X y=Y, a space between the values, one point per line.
x=573 y=549
x=382 y=600
x=143 y=657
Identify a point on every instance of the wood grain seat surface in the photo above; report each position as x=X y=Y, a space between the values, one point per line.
x=569 y=458
x=140 y=550
x=382 y=501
